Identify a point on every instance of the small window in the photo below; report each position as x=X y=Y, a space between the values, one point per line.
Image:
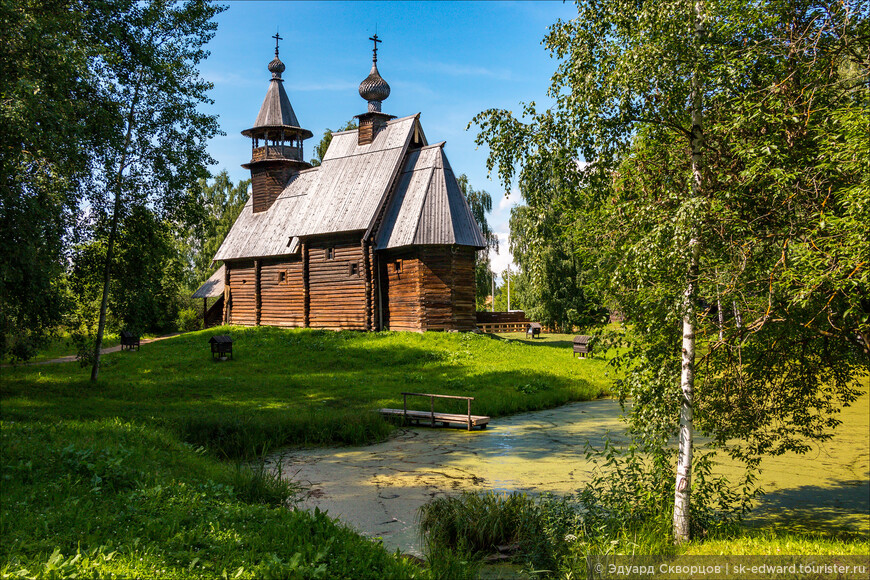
x=329 y=253
x=282 y=277
x=353 y=269
x=397 y=265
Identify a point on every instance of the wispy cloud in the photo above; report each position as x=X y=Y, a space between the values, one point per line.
x=462 y=70
x=227 y=78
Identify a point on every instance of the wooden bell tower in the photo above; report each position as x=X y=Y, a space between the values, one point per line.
x=276 y=142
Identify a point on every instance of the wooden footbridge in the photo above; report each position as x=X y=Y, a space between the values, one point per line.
x=434 y=419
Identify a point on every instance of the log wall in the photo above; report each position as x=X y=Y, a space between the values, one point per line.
x=447 y=287
x=429 y=288
x=337 y=285
x=282 y=302
x=423 y=288
x=400 y=279
x=241 y=283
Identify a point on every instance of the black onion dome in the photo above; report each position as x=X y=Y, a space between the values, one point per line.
x=374 y=88
x=276 y=67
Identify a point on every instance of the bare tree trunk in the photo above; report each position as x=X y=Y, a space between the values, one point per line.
x=113 y=232
x=682 y=496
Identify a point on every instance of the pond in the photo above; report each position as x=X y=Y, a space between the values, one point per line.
x=377 y=489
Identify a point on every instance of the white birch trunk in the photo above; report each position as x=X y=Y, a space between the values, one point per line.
x=107 y=273
x=682 y=495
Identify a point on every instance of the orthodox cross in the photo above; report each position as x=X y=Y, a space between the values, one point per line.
x=375 y=50
x=277 y=37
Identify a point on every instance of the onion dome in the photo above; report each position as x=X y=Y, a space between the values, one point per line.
x=374 y=88
x=276 y=67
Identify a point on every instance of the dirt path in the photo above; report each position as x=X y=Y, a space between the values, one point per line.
x=111 y=349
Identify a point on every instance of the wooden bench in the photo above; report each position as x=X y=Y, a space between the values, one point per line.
x=582 y=346
x=129 y=340
x=445 y=419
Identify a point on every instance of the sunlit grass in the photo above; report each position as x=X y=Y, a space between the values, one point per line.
x=302 y=386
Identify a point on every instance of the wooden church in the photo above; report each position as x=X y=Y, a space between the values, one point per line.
x=379 y=236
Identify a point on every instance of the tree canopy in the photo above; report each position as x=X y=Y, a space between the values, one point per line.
x=700 y=158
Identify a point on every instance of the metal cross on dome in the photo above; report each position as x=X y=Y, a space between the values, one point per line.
x=277 y=37
x=375 y=50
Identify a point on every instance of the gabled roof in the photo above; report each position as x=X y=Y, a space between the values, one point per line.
x=428 y=207
x=347 y=191
x=343 y=194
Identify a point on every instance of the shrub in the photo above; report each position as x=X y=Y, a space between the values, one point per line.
x=188 y=320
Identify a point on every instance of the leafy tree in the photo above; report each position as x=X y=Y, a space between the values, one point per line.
x=480 y=203
x=320 y=149
x=222 y=204
x=720 y=172
x=555 y=283
x=147 y=287
x=47 y=88
x=149 y=71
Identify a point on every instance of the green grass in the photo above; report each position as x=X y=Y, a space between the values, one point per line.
x=59 y=345
x=124 y=476
x=301 y=386
x=108 y=497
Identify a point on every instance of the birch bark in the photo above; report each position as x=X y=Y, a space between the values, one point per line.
x=113 y=233
x=682 y=496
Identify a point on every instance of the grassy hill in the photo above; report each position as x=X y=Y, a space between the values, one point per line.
x=123 y=476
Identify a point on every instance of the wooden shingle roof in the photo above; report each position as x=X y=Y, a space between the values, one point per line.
x=345 y=193
x=214 y=286
x=428 y=207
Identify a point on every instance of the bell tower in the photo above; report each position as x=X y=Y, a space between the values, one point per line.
x=276 y=142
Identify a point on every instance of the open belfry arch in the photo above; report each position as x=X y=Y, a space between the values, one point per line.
x=378 y=236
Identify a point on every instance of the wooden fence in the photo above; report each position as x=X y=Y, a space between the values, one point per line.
x=514 y=321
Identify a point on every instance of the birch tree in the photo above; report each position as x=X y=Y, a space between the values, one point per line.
x=701 y=125
x=149 y=70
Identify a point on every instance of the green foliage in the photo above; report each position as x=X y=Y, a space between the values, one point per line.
x=47 y=87
x=149 y=277
x=556 y=283
x=188 y=320
x=222 y=203
x=770 y=232
x=625 y=508
x=480 y=203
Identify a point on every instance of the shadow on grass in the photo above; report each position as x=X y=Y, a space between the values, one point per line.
x=843 y=507
x=290 y=387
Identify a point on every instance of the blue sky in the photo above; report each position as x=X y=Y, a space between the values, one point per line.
x=445 y=60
